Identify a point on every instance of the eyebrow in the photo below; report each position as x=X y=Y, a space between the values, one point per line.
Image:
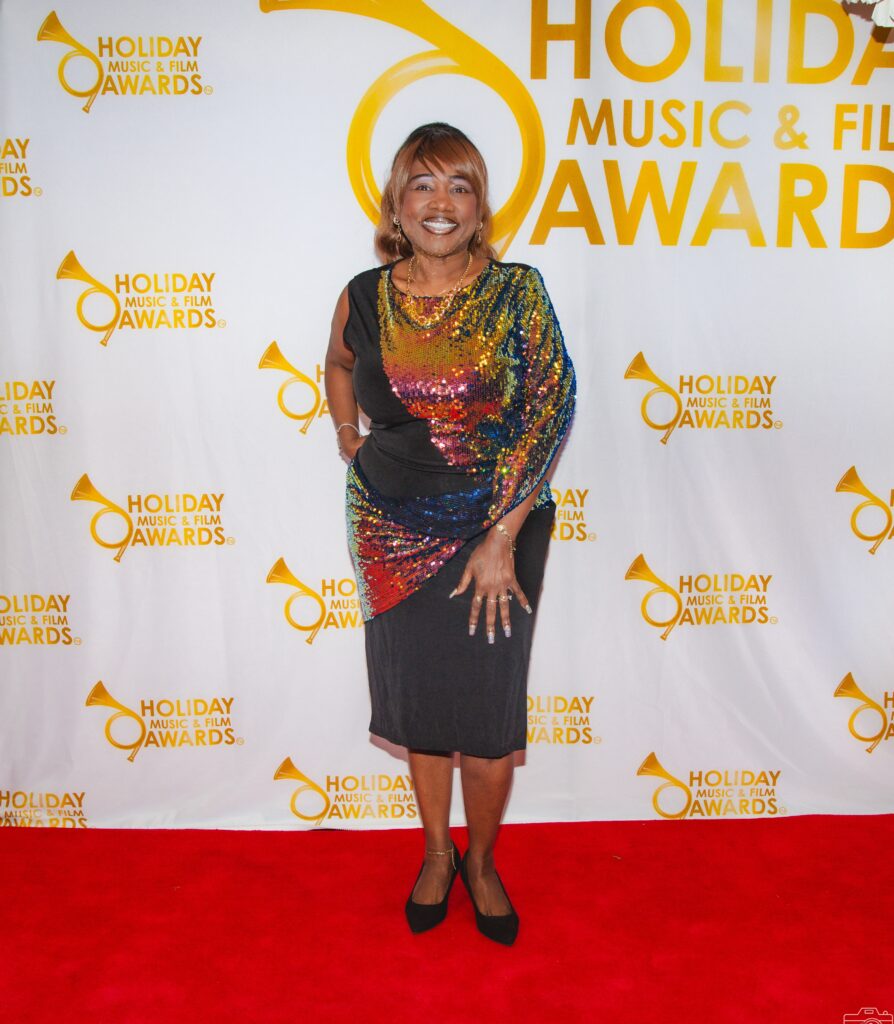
x=429 y=174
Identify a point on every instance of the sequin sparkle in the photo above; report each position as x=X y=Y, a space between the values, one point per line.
x=496 y=386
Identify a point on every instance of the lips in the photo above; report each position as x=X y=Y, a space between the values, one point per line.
x=439 y=225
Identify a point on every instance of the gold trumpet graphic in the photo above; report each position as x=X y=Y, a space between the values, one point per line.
x=848 y=688
x=85 y=491
x=273 y=359
x=852 y=484
x=639 y=369
x=52 y=31
x=455 y=53
x=639 y=570
x=100 y=696
x=280 y=573
x=287 y=770
x=70 y=269
x=652 y=766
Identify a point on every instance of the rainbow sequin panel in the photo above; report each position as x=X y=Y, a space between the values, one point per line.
x=398 y=543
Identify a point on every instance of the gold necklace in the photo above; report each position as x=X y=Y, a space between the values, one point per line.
x=446 y=300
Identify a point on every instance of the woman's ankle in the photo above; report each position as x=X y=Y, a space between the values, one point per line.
x=479 y=863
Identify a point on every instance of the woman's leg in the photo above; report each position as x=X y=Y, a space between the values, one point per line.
x=433 y=781
x=485 y=782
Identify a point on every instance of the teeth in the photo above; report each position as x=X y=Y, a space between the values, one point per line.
x=439 y=225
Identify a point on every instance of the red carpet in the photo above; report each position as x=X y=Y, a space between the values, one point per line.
x=726 y=921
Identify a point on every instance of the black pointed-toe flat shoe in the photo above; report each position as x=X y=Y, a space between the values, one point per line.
x=498 y=927
x=423 y=916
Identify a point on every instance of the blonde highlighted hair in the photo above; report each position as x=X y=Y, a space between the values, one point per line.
x=435 y=145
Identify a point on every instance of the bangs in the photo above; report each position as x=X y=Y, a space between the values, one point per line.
x=441 y=154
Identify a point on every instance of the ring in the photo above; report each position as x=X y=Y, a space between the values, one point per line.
x=491 y=600
x=478 y=598
x=502 y=598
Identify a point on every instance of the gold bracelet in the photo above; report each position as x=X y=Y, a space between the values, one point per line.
x=502 y=529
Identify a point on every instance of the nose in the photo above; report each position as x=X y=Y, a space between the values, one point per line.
x=441 y=198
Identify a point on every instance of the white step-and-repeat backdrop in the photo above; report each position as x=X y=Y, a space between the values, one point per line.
x=707 y=187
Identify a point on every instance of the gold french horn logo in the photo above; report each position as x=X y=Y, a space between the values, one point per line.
x=652 y=766
x=851 y=483
x=273 y=359
x=454 y=53
x=85 y=491
x=51 y=31
x=99 y=696
x=848 y=688
x=639 y=369
x=639 y=570
x=287 y=770
x=70 y=269
x=280 y=573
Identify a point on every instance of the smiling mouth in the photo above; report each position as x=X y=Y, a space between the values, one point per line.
x=439 y=225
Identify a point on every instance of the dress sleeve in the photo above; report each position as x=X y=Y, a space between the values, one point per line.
x=543 y=403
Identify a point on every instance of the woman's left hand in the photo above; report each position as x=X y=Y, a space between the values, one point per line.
x=492 y=568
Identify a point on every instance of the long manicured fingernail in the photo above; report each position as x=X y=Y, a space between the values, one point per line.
x=491 y=636
x=452 y=593
x=471 y=630
x=529 y=609
x=507 y=631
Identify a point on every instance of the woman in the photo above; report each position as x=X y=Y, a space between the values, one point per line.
x=459 y=362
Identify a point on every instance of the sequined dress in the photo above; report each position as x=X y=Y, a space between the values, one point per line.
x=466 y=415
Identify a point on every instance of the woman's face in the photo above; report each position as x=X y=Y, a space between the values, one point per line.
x=439 y=211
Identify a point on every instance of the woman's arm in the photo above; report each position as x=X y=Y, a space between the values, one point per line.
x=339 y=383
x=545 y=402
x=547 y=395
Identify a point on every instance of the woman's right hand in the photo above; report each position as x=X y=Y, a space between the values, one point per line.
x=351 y=445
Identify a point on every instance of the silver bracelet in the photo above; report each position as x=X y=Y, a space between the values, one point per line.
x=338 y=438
